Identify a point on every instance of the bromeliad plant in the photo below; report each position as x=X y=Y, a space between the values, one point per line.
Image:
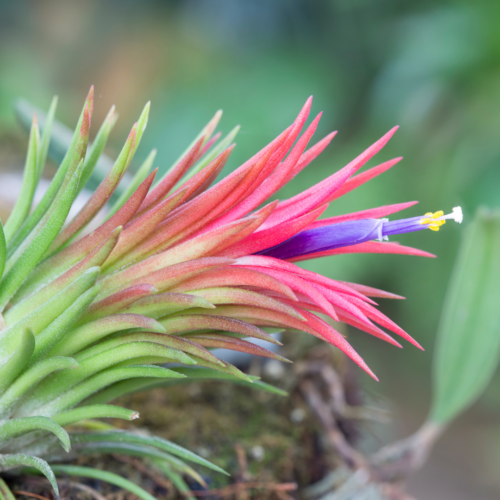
x=177 y=269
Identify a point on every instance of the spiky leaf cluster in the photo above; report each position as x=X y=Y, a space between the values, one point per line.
x=175 y=271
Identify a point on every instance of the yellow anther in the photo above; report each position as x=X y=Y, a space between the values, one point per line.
x=433 y=220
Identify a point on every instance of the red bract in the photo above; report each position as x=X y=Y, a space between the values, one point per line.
x=202 y=225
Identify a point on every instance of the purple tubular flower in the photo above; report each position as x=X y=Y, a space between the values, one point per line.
x=327 y=237
x=350 y=233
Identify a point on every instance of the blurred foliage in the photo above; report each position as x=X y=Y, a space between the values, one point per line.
x=468 y=342
x=431 y=66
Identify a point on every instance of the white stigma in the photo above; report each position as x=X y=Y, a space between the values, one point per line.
x=458 y=216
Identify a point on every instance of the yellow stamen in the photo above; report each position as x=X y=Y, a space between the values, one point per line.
x=434 y=220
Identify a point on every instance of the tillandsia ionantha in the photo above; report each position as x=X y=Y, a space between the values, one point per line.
x=178 y=268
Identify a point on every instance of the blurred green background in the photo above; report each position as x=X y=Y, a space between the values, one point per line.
x=432 y=67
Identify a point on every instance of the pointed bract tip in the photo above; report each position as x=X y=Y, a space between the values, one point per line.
x=416 y=344
x=212 y=124
x=389 y=134
x=90 y=100
x=307 y=106
x=146 y=109
x=134 y=416
x=316 y=120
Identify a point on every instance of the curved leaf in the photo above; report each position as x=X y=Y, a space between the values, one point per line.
x=136 y=450
x=19 y=426
x=30 y=379
x=23 y=203
x=13 y=461
x=108 y=477
x=94 y=411
x=17 y=352
x=191 y=374
x=91 y=364
x=99 y=382
x=32 y=249
x=46 y=127
x=468 y=343
x=49 y=337
x=153 y=441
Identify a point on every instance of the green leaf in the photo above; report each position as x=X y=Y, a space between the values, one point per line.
x=19 y=426
x=65 y=380
x=17 y=351
x=135 y=450
x=100 y=196
x=141 y=125
x=74 y=155
x=99 y=382
x=191 y=374
x=40 y=317
x=23 y=203
x=3 y=250
x=94 y=411
x=49 y=338
x=45 y=142
x=60 y=139
x=108 y=477
x=468 y=341
x=29 y=253
x=137 y=180
x=228 y=369
x=92 y=332
x=30 y=379
x=176 y=478
x=97 y=147
x=154 y=441
x=131 y=346
x=13 y=461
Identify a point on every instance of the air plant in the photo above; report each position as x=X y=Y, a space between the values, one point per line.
x=179 y=268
